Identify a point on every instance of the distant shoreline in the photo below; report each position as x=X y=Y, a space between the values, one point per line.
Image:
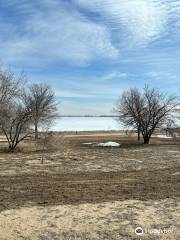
x=87 y=116
x=92 y=131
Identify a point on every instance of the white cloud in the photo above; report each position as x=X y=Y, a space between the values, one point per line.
x=53 y=31
x=153 y=75
x=115 y=75
x=164 y=76
x=56 y=34
x=138 y=22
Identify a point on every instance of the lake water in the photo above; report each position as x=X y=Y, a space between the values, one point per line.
x=86 y=124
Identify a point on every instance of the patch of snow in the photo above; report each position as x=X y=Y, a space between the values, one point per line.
x=176 y=173
x=138 y=160
x=171 y=151
x=139 y=168
x=90 y=143
x=109 y=144
x=163 y=136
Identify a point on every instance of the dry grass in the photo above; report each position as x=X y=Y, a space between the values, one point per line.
x=87 y=192
x=110 y=220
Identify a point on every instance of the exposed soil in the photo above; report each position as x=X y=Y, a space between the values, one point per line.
x=48 y=189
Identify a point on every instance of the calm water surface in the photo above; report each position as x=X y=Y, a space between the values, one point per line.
x=86 y=124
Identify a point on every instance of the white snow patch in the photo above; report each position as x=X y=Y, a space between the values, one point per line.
x=163 y=136
x=109 y=144
x=90 y=143
x=171 y=151
x=176 y=173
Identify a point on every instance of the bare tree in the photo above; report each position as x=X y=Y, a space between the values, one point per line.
x=42 y=102
x=146 y=111
x=49 y=142
x=45 y=140
x=20 y=109
x=15 y=123
x=14 y=114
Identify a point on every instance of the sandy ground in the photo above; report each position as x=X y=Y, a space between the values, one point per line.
x=113 y=220
x=86 y=192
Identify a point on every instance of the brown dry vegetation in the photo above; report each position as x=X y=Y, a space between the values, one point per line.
x=88 y=192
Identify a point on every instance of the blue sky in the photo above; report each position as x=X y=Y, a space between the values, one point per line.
x=92 y=50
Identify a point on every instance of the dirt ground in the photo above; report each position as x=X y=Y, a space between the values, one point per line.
x=82 y=191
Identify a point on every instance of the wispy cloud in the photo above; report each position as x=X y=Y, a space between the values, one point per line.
x=54 y=32
x=41 y=32
x=138 y=22
x=115 y=75
x=166 y=77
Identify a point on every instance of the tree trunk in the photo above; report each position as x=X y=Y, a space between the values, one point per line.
x=146 y=139
x=36 y=131
x=12 y=147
